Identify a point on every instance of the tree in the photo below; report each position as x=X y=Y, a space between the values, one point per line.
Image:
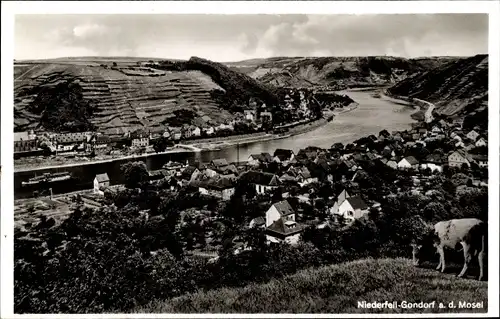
x=135 y=174
x=161 y=144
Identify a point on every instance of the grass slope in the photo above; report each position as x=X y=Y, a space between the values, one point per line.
x=126 y=94
x=336 y=289
x=343 y=71
x=458 y=87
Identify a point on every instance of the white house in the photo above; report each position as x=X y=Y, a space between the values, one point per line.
x=221 y=188
x=281 y=225
x=473 y=135
x=263 y=182
x=195 y=131
x=408 y=162
x=100 y=181
x=481 y=142
x=140 y=138
x=250 y=115
x=209 y=130
x=458 y=158
x=353 y=208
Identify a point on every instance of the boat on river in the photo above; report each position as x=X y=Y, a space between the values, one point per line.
x=47 y=178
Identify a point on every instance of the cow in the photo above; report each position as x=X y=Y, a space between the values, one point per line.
x=471 y=233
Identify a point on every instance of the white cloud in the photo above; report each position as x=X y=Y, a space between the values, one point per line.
x=90 y=30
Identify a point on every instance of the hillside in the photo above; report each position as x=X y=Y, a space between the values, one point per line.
x=336 y=71
x=457 y=88
x=119 y=95
x=336 y=289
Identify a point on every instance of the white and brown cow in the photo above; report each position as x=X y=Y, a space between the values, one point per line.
x=471 y=233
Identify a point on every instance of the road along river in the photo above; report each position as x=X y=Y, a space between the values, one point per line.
x=370 y=117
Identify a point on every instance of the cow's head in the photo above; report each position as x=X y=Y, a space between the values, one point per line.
x=424 y=246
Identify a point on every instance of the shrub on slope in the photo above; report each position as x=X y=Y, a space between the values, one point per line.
x=63 y=108
x=334 y=289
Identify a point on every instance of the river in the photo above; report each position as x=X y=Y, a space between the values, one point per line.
x=370 y=117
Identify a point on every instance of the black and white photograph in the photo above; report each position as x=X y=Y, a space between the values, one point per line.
x=301 y=161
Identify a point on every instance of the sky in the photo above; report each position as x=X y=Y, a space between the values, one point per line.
x=226 y=38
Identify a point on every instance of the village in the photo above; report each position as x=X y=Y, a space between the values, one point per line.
x=299 y=107
x=314 y=187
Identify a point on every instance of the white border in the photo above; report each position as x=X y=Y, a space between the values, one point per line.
x=9 y=9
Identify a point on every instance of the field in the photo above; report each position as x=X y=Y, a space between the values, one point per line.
x=337 y=289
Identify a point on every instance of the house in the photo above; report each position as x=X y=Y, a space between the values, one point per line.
x=25 y=146
x=266 y=116
x=21 y=136
x=283 y=156
x=250 y=115
x=263 y=182
x=257 y=222
x=384 y=134
x=408 y=162
x=190 y=173
x=342 y=196
x=392 y=164
x=98 y=143
x=458 y=158
x=70 y=141
x=388 y=152
x=281 y=225
x=304 y=177
x=436 y=129
x=481 y=142
x=100 y=181
x=222 y=188
x=209 y=130
x=337 y=147
x=353 y=208
x=481 y=160
x=186 y=131
x=140 y=138
x=433 y=162
x=335 y=208
x=472 y=135
x=257 y=159
x=195 y=131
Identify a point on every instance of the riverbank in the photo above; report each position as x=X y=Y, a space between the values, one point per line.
x=189 y=146
x=423 y=108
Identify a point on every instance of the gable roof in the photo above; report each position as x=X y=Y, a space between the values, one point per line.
x=101 y=178
x=262 y=157
x=281 y=228
x=284 y=208
x=412 y=160
x=343 y=196
x=357 y=202
x=140 y=133
x=283 y=154
x=260 y=178
x=219 y=162
x=259 y=221
x=434 y=158
x=220 y=183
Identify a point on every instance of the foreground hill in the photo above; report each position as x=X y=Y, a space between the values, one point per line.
x=336 y=289
x=119 y=95
x=336 y=71
x=457 y=88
